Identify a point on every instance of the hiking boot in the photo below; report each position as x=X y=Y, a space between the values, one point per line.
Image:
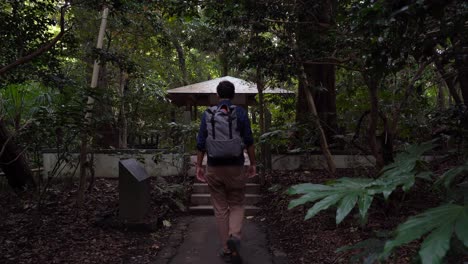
x=225 y=256
x=233 y=244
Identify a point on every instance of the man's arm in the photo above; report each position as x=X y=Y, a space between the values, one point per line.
x=202 y=134
x=245 y=129
x=246 y=134
x=251 y=153
x=201 y=144
x=200 y=156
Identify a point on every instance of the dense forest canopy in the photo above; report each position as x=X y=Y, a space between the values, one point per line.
x=370 y=77
x=373 y=67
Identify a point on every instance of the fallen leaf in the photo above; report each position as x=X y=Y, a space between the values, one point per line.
x=166 y=223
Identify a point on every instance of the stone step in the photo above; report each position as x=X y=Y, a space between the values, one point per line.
x=251 y=188
x=205 y=199
x=249 y=180
x=208 y=210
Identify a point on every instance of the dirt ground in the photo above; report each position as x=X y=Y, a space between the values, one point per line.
x=60 y=233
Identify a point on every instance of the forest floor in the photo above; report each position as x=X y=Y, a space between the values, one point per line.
x=58 y=232
x=61 y=233
x=317 y=239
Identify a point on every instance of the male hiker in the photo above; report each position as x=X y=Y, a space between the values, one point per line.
x=224 y=133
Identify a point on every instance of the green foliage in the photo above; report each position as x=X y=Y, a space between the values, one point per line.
x=454 y=175
x=440 y=223
x=403 y=172
x=345 y=193
x=182 y=135
x=437 y=225
x=275 y=138
x=27 y=25
x=19 y=102
x=451 y=126
x=370 y=250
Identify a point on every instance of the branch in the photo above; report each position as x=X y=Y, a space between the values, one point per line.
x=336 y=63
x=322 y=25
x=12 y=136
x=15 y=159
x=408 y=91
x=42 y=49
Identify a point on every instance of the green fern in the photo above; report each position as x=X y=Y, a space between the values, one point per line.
x=403 y=172
x=450 y=176
x=441 y=223
x=345 y=193
x=369 y=251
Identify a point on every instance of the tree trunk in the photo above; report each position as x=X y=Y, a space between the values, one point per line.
x=462 y=69
x=318 y=18
x=260 y=88
x=441 y=95
x=123 y=131
x=268 y=160
x=89 y=106
x=13 y=163
x=323 y=139
x=323 y=78
x=180 y=53
x=372 y=85
x=302 y=109
x=225 y=64
x=106 y=129
x=181 y=56
x=461 y=63
x=449 y=81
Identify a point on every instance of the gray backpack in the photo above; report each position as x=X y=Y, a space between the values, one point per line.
x=224 y=140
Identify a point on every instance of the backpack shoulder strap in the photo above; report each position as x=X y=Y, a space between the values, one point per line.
x=232 y=114
x=212 y=111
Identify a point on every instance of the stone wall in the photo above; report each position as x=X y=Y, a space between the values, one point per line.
x=308 y=162
x=158 y=163
x=292 y=162
x=106 y=163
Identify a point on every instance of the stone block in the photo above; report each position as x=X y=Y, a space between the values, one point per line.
x=134 y=191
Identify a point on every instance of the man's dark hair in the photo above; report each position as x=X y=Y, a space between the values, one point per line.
x=225 y=90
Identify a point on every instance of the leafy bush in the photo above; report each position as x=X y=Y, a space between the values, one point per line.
x=438 y=225
x=441 y=222
x=347 y=192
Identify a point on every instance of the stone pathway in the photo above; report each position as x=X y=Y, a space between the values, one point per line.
x=201 y=244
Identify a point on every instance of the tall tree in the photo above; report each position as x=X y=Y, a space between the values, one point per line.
x=315 y=42
x=84 y=163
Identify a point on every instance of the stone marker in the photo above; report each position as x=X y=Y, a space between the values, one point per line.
x=134 y=191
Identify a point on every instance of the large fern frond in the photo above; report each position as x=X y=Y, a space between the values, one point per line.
x=345 y=193
x=440 y=222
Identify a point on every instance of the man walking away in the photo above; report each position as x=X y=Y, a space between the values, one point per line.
x=224 y=134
